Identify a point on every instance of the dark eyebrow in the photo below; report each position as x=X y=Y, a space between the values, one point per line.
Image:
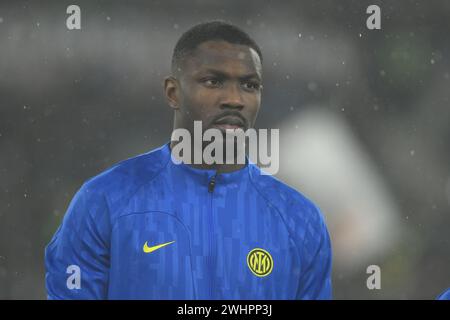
x=222 y=74
x=250 y=76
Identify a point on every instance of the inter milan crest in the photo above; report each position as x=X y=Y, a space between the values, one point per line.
x=260 y=262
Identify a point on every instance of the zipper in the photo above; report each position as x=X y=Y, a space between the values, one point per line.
x=212 y=254
x=212 y=183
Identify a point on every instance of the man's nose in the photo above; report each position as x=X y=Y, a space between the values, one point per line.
x=232 y=98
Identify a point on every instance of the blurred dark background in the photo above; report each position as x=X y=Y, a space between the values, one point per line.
x=365 y=113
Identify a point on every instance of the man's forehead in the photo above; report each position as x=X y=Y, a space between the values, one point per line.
x=220 y=53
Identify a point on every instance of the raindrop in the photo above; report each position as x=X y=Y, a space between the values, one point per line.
x=312 y=86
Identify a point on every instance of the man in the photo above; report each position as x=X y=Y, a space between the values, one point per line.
x=153 y=228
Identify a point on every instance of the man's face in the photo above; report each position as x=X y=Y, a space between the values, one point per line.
x=220 y=84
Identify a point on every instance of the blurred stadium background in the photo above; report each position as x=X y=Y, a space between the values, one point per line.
x=364 y=121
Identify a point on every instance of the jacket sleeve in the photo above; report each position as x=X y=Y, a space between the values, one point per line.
x=315 y=280
x=77 y=257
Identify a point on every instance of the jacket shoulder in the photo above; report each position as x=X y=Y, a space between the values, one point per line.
x=297 y=210
x=120 y=182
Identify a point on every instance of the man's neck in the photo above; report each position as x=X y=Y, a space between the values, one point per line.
x=220 y=168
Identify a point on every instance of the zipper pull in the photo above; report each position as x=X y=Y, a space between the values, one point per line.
x=212 y=183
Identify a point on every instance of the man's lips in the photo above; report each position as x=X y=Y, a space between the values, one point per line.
x=229 y=123
x=227 y=126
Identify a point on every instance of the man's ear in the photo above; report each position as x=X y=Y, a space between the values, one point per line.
x=172 y=91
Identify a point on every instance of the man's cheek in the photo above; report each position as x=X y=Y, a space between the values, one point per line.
x=205 y=109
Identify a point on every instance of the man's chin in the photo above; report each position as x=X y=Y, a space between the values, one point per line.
x=227 y=134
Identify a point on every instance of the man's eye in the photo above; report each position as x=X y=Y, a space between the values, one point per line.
x=249 y=85
x=211 y=82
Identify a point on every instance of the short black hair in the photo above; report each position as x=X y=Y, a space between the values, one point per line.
x=207 y=31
